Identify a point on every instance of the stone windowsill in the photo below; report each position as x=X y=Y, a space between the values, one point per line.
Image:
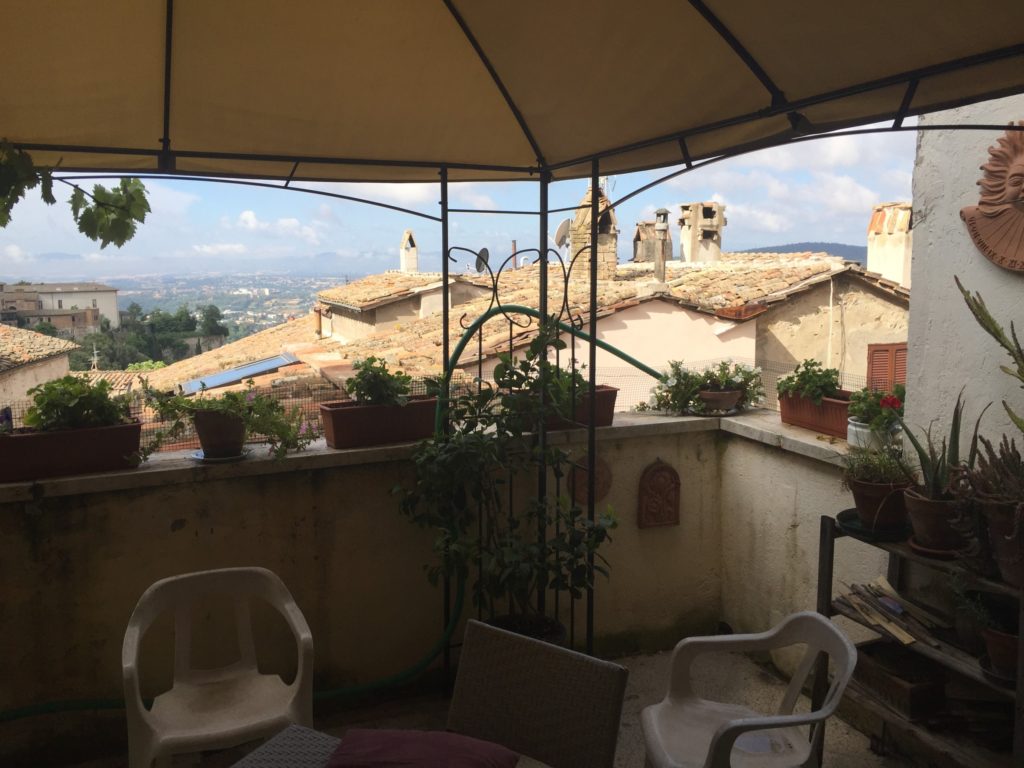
x=178 y=467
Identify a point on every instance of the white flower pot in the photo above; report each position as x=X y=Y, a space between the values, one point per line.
x=860 y=435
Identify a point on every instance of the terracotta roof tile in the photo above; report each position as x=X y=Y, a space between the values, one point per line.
x=121 y=382
x=383 y=288
x=19 y=346
x=259 y=346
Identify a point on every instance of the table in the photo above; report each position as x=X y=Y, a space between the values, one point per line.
x=299 y=747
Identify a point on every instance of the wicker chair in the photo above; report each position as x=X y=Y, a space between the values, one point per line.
x=548 y=703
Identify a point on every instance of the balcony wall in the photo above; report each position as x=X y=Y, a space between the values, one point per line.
x=75 y=554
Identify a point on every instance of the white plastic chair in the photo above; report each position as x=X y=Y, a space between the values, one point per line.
x=686 y=731
x=213 y=708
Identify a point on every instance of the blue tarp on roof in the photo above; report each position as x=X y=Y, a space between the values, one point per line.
x=239 y=374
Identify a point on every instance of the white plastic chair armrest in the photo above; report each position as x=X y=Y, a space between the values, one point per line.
x=725 y=737
x=303 y=637
x=687 y=650
x=130 y=672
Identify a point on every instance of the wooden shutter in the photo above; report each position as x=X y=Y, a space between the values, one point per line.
x=887 y=365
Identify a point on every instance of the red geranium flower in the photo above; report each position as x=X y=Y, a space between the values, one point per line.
x=891 y=401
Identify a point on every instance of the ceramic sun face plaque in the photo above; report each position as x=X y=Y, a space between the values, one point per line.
x=996 y=223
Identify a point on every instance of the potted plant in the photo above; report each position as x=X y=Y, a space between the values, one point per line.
x=877 y=477
x=810 y=397
x=996 y=618
x=874 y=416
x=995 y=488
x=726 y=387
x=534 y=389
x=224 y=422
x=461 y=493
x=729 y=386
x=931 y=503
x=381 y=410
x=676 y=391
x=73 y=427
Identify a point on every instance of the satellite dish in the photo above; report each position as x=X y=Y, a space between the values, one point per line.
x=562 y=234
x=481 y=259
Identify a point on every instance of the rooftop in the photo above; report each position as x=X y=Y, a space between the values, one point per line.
x=19 y=346
x=55 y=287
x=383 y=288
x=727 y=288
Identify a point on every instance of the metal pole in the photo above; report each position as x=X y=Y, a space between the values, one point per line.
x=595 y=214
x=447 y=379
x=542 y=469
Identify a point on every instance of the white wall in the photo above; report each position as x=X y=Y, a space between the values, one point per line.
x=106 y=302
x=15 y=384
x=654 y=333
x=947 y=348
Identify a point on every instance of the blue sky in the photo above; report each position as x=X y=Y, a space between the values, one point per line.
x=814 y=191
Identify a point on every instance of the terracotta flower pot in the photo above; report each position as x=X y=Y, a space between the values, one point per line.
x=604 y=396
x=828 y=418
x=724 y=400
x=1007 y=549
x=347 y=424
x=930 y=521
x=221 y=435
x=37 y=455
x=1001 y=648
x=879 y=505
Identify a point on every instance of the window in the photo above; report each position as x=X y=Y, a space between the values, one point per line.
x=887 y=365
x=60 y=303
x=94 y=303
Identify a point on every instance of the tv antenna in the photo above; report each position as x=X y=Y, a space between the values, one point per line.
x=562 y=234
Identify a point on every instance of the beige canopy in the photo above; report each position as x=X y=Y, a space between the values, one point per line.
x=389 y=90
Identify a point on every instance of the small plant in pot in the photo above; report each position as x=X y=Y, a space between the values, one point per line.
x=877 y=478
x=810 y=397
x=224 y=422
x=724 y=388
x=875 y=416
x=931 y=503
x=535 y=389
x=381 y=410
x=73 y=427
x=997 y=617
x=729 y=386
x=994 y=489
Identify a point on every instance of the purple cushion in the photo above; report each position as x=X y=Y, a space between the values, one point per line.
x=362 y=748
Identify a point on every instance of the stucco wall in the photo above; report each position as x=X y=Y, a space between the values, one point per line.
x=73 y=566
x=798 y=328
x=15 y=384
x=771 y=506
x=654 y=333
x=948 y=349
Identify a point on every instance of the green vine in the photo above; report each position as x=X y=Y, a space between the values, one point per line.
x=103 y=215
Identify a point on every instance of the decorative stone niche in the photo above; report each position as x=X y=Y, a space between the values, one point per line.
x=658 y=503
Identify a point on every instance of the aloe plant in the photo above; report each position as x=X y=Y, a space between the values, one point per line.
x=935 y=461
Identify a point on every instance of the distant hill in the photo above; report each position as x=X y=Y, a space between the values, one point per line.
x=858 y=253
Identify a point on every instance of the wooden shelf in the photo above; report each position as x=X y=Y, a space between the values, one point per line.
x=897 y=735
x=930 y=647
x=945 y=654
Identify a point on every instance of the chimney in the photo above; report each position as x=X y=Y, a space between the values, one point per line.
x=890 y=241
x=408 y=253
x=662 y=244
x=700 y=231
x=607 y=240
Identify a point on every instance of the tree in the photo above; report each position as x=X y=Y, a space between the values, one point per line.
x=48 y=329
x=103 y=215
x=209 y=322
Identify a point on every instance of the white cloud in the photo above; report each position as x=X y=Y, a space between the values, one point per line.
x=837 y=195
x=15 y=254
x=167 y=202
x=284 y=227
x=217 y=249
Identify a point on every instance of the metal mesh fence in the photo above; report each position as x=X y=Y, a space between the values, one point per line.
x=634 y=388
